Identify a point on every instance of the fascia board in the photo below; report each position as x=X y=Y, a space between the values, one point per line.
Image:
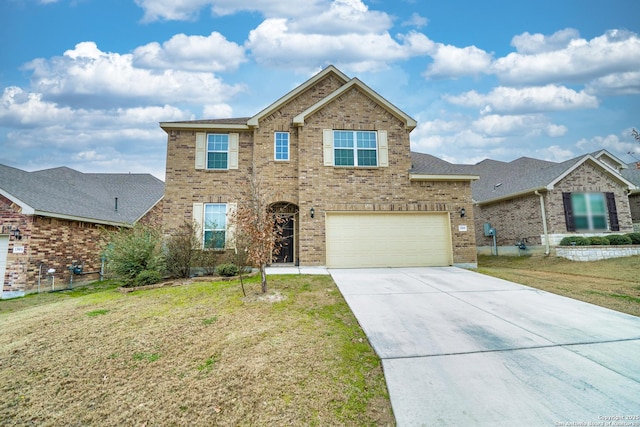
x=82 y=219
x=426 y=177
x=254 y=121
x=512 y=196
x=203 y=126
x=26 y=208
x=410 y=123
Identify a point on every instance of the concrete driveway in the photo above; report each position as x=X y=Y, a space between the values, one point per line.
x=462 y=349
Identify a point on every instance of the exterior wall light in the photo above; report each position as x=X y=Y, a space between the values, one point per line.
x=16 y=234
x=463 y=212
x=312 y=212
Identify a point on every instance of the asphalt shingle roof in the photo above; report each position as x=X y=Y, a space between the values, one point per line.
x=89 y=196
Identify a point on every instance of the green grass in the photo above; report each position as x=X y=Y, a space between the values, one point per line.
x=99 y=312
x=612 y=283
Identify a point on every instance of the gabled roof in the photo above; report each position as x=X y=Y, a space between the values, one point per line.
x=90 y=197
x=632 y=173
x=355 y=82
x=253 y=121
x=499 y=180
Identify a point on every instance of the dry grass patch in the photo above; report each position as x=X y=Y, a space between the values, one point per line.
x=198 y=354
x=612 y=283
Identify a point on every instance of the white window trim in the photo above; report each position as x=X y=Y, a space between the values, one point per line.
x=382 y=149
x=275 y=147
x=198 y=219
x=201 y=158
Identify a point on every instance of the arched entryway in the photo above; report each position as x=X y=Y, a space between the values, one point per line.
x=288 y=241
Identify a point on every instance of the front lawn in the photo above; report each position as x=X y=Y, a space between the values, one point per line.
x=195 y=354
x=612 y=283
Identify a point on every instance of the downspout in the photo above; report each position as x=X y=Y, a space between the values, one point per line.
x=544 y=222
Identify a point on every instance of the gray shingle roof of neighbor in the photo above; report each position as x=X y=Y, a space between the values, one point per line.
x=499 y=180
x=90 y=197
x=632 y=173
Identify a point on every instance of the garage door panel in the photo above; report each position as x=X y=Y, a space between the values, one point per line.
x=388 y=239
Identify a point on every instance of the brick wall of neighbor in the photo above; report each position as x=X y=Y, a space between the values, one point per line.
x=521 y=217
x=634 y=204
x=513 y=219
x=54 y=243
x=305 y=182
x=587 y=178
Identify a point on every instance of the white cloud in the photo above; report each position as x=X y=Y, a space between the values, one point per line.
x=184 y=10
x=616 y=84
x=22 y=109
x=537 y=43
x=452 y=62
x=274 y=43
x=217 y=111
x=616 y=51
x=342 y=17
x=193 y=53
x=87 y=76
x=517 y=125
x=529 y=99
x=620 y=146
x=554 y=153
x=415 y=21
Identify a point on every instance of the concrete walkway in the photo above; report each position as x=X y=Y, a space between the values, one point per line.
x=463 y=349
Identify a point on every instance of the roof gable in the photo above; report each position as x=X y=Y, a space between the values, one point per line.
x=254 y=121
x=409 y=122
x=67 y=193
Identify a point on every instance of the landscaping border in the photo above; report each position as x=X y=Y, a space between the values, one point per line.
x=596 y=253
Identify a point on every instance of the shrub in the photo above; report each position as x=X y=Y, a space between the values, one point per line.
x=180 y=250
x=227 y=270
x=635 y=238
x=132 y=251
x=147 y=277
x=619 y=239
x=598 y=240
x=579 y=241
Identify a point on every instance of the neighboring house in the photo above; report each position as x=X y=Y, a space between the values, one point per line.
x=333 y=157
x=538 y=202
x=632 y=173
x=54 y=219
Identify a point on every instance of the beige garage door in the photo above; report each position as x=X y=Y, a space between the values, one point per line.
x=388 y=239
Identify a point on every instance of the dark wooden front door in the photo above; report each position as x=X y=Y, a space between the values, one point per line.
x=287 y=243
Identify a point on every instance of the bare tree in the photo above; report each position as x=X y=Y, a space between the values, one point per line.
x=635 y=134
x=258 y=228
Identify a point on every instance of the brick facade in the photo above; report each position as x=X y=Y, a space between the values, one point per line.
x=521 y=217
x=305 y=182
x=54 y=243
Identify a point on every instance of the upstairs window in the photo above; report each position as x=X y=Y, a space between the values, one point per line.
x=281 y=148
x=355 y=148
x=217 y=151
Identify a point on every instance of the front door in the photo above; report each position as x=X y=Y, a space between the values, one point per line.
x=286 y=243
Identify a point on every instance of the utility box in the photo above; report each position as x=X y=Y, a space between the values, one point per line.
x=487 y=230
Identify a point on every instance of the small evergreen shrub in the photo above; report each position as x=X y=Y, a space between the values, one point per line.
x=598 y=240
x=227 y=270
x=635 y=238
x=619 y=239
x=579 y=241
x=147 y=277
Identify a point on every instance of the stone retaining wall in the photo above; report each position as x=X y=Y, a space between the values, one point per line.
x=595 y=253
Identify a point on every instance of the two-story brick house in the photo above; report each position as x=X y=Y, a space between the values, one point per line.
x=335 y=156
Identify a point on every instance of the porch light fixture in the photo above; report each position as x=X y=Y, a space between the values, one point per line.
x=463 y=212
x=16 y=234
x=312 y=212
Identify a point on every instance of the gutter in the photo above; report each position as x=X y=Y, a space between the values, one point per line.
x=544 y=222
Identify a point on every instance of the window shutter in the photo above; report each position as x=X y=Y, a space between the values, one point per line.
x=230 y=241
x=201 y=150
x=613 y=212
x=568 y=212
x=234 y=142
x=383 y=149
x=198 y=220
x=327 y=146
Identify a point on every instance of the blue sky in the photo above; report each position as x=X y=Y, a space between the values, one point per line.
x=84 y=83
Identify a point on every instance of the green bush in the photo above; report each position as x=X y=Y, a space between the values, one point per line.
x=227 y=270
x=598 y=240
x=579 y=241
x=635 y=238
x=147 y=277
x=619 y=239
x=132 y=251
